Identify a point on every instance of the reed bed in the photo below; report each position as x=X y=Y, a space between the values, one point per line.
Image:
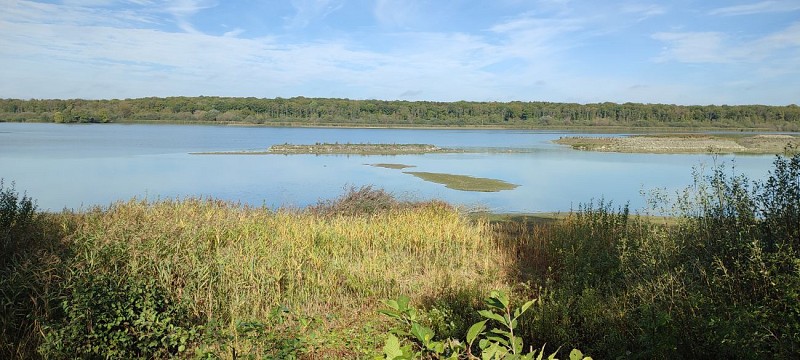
x=231 y=263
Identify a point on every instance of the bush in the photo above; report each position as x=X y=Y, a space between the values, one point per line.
x=365 y=200
x=721 y=280
x=15 y=211
x=118 y=317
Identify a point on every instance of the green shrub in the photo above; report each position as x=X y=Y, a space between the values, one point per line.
x=411 y=340
x=15 y=212
x=117 y=316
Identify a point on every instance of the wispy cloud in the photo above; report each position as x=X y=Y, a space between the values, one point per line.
x=643 y=11
x=758 y=8
x=183 y=10
x=694 y=47
x=397 y=13
x=716 y=47
x=307 y=11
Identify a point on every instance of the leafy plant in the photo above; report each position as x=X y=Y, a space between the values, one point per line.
x=111 y=316
x=15 y=211
x=414 y=341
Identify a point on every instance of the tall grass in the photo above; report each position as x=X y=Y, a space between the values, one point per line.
x=227 y=265
x=722 y=280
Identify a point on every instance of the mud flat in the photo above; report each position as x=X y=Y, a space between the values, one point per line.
x=685 y=143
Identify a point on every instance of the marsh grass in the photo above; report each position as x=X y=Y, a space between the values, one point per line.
x=229 y=264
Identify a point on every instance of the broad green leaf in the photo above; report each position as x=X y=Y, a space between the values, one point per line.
x=392 y=304
x=484 y=343
x=490 y=315
x=492 y=352
x=516 y=345
x=475 y=330
x=402 y=302
x=422 y=333
x=497 y=299
x=390 y=313
x=436 y=346
x=502 y=340
x=391 y=348
x=575 y=354
x=412 y=314
x=501 y=332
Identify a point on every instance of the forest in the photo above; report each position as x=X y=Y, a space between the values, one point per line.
x=301 y=111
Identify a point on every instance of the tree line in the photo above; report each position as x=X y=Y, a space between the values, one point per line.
x=324 y=111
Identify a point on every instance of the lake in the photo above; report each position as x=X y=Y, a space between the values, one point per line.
x=80 y=166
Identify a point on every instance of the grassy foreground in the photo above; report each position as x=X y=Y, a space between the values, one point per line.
x=208 y=279
x=242 y=274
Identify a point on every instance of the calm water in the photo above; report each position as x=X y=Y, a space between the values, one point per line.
x=78 y=166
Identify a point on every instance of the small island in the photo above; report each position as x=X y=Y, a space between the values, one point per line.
x=392 y=166
x=464 y=182
x=358 y=149
x=685 y=143
x=343 y=149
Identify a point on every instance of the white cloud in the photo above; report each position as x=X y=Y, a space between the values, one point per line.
x=758 y=8
x=643 y=11
x=716 y=47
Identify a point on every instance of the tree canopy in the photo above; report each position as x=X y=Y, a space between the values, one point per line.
x=345 y=112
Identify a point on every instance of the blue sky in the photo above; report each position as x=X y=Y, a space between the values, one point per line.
x=585 y=51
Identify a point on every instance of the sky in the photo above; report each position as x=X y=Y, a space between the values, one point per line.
x=583 y=51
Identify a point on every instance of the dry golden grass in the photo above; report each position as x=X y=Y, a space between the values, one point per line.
x=233 y=263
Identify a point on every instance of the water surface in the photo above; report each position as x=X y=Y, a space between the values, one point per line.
x=79 y=166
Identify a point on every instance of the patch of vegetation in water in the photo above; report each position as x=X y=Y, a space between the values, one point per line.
x=464 y=182
x=393 y=166
x=341 y=149
x=358 y=149
x=685 y=143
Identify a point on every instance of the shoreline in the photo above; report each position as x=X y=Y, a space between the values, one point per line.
x=599 y=129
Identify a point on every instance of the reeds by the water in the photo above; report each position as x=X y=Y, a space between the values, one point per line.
x=232 y=263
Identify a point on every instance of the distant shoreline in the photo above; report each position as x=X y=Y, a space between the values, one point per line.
x=332 y=112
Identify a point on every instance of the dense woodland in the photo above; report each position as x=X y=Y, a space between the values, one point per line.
x=331 y=112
